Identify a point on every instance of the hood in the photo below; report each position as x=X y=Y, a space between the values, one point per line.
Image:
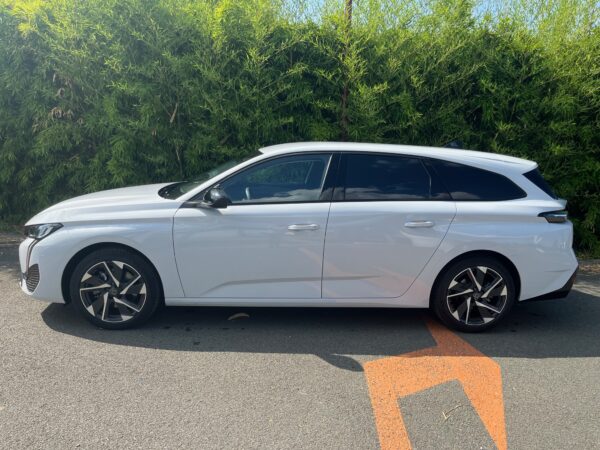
x=124 y=203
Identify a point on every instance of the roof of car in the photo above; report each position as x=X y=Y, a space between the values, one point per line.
x=450 y=154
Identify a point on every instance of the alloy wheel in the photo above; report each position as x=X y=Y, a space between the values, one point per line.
x=477 y=295
x=112 y=291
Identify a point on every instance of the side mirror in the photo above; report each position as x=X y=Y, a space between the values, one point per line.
x=217 y=198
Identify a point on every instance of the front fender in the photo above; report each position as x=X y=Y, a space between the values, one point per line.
x=153 y=239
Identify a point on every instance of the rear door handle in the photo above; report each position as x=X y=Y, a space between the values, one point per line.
x=303 y=226
x=420 y=224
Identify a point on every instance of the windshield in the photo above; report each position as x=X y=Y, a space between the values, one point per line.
x=176 y=190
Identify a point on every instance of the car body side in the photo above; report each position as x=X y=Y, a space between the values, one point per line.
x=540 y=252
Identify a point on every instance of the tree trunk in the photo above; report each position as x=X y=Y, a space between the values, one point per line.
x=345 y=91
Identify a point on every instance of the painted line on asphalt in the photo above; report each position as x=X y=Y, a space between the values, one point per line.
x=392 y=378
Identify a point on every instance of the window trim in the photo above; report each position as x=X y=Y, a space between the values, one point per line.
x=335 y=178
x=331 y=172
x=339 y=194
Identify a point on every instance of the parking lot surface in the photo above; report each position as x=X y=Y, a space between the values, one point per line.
x=299 y=378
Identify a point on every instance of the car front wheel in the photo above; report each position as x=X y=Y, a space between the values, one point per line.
x=474 y=294
x=115 y=288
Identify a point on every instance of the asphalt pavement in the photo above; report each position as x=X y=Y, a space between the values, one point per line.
x=299 y=378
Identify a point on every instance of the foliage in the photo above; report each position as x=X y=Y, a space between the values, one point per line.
x=96 y=94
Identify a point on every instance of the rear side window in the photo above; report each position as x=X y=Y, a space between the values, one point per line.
x=467 y=183
x=387 y=177
x=536 y=178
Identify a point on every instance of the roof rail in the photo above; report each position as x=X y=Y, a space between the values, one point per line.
x=454 y=144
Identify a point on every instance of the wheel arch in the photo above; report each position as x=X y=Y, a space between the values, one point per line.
x=487 y=253
x=77 y=257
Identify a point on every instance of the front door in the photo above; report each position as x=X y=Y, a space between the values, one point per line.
x=268 y=244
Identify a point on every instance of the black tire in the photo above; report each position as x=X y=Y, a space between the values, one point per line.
x=114 y=305
x=452 y=306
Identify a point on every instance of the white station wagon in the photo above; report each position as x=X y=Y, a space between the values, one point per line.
x=464 y=233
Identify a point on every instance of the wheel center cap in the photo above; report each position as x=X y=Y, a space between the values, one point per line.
x=477 y=295
x=113 y=292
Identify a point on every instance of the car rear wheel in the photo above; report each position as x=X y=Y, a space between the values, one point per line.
x=114 y=288
x=474 y=294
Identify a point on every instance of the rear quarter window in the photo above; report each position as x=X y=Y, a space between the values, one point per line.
x=468 y=183
x=536 y=178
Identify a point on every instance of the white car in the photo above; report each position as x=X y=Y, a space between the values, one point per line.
x=464 y=233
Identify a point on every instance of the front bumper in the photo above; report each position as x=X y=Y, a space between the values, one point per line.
x=558 y=293
x=40 y=270
x=30 y=273
x=30 y=279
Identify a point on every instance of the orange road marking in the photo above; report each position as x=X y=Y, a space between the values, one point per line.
x=390 y=379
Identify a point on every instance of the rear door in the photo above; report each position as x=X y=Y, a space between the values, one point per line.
x=387 y=219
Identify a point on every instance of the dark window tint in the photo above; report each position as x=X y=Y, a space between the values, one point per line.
x=470 y=183
x=383 y=177
x=297 y=178
x=536 y=178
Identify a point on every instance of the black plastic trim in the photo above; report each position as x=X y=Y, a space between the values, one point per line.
x=32 y=278
x=559 y=293
x=330 y=178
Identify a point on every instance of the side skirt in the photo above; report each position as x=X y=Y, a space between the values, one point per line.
x=290 y=302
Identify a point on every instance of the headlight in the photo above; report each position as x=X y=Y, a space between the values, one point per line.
x=41 y=231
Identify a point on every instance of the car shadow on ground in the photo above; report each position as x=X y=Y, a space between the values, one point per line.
x=562 y=328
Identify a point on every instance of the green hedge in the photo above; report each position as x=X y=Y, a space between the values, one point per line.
x=96 y=94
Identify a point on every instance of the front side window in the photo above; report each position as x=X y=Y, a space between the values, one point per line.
x=176 y=190
x=296 y=178
x=387 y=177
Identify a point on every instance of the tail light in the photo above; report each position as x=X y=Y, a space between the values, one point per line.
x=555 y=216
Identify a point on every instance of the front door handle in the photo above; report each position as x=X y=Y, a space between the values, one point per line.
x=420 y=224
x=303 y=226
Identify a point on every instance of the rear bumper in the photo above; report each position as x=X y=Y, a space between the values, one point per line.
x=559 y=293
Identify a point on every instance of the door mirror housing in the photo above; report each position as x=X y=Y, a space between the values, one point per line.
x=217 y=198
